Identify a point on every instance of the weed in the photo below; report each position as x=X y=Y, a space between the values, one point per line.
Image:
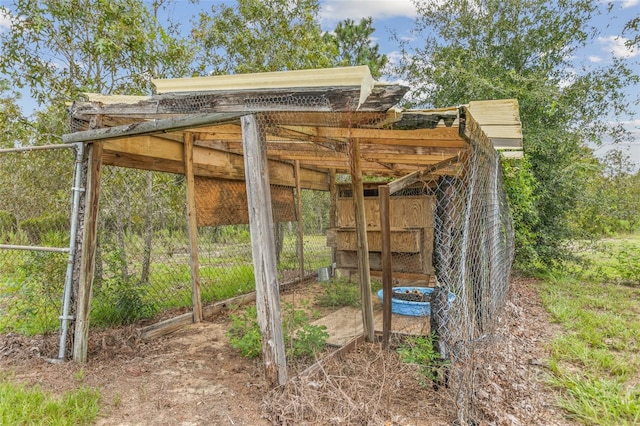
x=302 y=339
x=420 y=351
x=117 y=399
x=340 y=292
x=79 y=375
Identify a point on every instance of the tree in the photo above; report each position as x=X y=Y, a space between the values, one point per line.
x=59 y=49
x=262 y=35
x=633 y=26
x=493 y=49
x=353 y=45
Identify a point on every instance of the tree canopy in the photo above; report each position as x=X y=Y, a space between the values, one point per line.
x=492 y=49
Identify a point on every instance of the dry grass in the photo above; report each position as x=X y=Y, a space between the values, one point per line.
x=367 y=386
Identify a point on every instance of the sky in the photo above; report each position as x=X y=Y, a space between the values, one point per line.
x=397 y=16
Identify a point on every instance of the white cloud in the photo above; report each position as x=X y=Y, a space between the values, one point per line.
x=338 y=10
x=5 y=20
x=630 y=3
x=617 y=46
x=594 y=59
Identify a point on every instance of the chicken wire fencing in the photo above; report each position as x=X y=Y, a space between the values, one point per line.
x=36 y=191
x=473 y=254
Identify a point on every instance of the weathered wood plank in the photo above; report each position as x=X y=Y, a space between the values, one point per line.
x=333 y=217
x=88 y=252
x=150 y=127
x=406 y=212
x=159 y=154
x=385 y=231
x=400 y=240
x=401 y=262
x=381 y=99
x=170 y=325
x=196 y=301
x=263 y=248
x=300 y=243
x=362 y=244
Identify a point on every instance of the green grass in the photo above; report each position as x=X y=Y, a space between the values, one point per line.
x=31 y=283
x=22 y=405
x=595 y=363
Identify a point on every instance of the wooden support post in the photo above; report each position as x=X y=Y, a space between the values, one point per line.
x=364 y=272
x=333 y=209
x=264 y=252
x=385 y=231
x=299 y=217
x=196 y=301
x=86 y=260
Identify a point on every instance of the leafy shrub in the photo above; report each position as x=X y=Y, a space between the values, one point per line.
x=122 y=301
x=8 y=223
x=36 y=227
x=302 y=339
x=420 y=351
x=628 y=263
x=120 y=298
x=244 y=334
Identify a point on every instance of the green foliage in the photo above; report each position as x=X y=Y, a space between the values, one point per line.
x=420 y=351
x=302 y=339
x=31 y=289
x=628 y=263
x=611 y=202
x=244 y=334
x=36 y=227
x=122 y=302
x=98 y=46
x=262 y=35
x=522 y=49
x=354 y=45
x=342 y=292
x=20 y=405
x=8 y=223
x=519 y=184
x=121 y=298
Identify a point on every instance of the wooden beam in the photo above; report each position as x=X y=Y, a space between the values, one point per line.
x=263 y=248
x=333 y=209
x=414 y=177
x=151 y=127
x=176 y=323
x=385 y=230
x=364 y=272
x=439 y=133
x=87 y=258
x=300 y=244
x=159 y=154
x=196 y=301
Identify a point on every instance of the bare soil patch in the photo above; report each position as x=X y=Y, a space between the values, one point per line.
x=193 y=377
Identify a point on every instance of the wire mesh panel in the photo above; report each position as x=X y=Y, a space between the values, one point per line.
x=142 y=259
x=35 y=210
x=473 y=254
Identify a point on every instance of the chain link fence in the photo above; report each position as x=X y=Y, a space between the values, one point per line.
x=35 y=209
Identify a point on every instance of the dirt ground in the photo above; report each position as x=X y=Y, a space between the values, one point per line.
x=193 y=377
